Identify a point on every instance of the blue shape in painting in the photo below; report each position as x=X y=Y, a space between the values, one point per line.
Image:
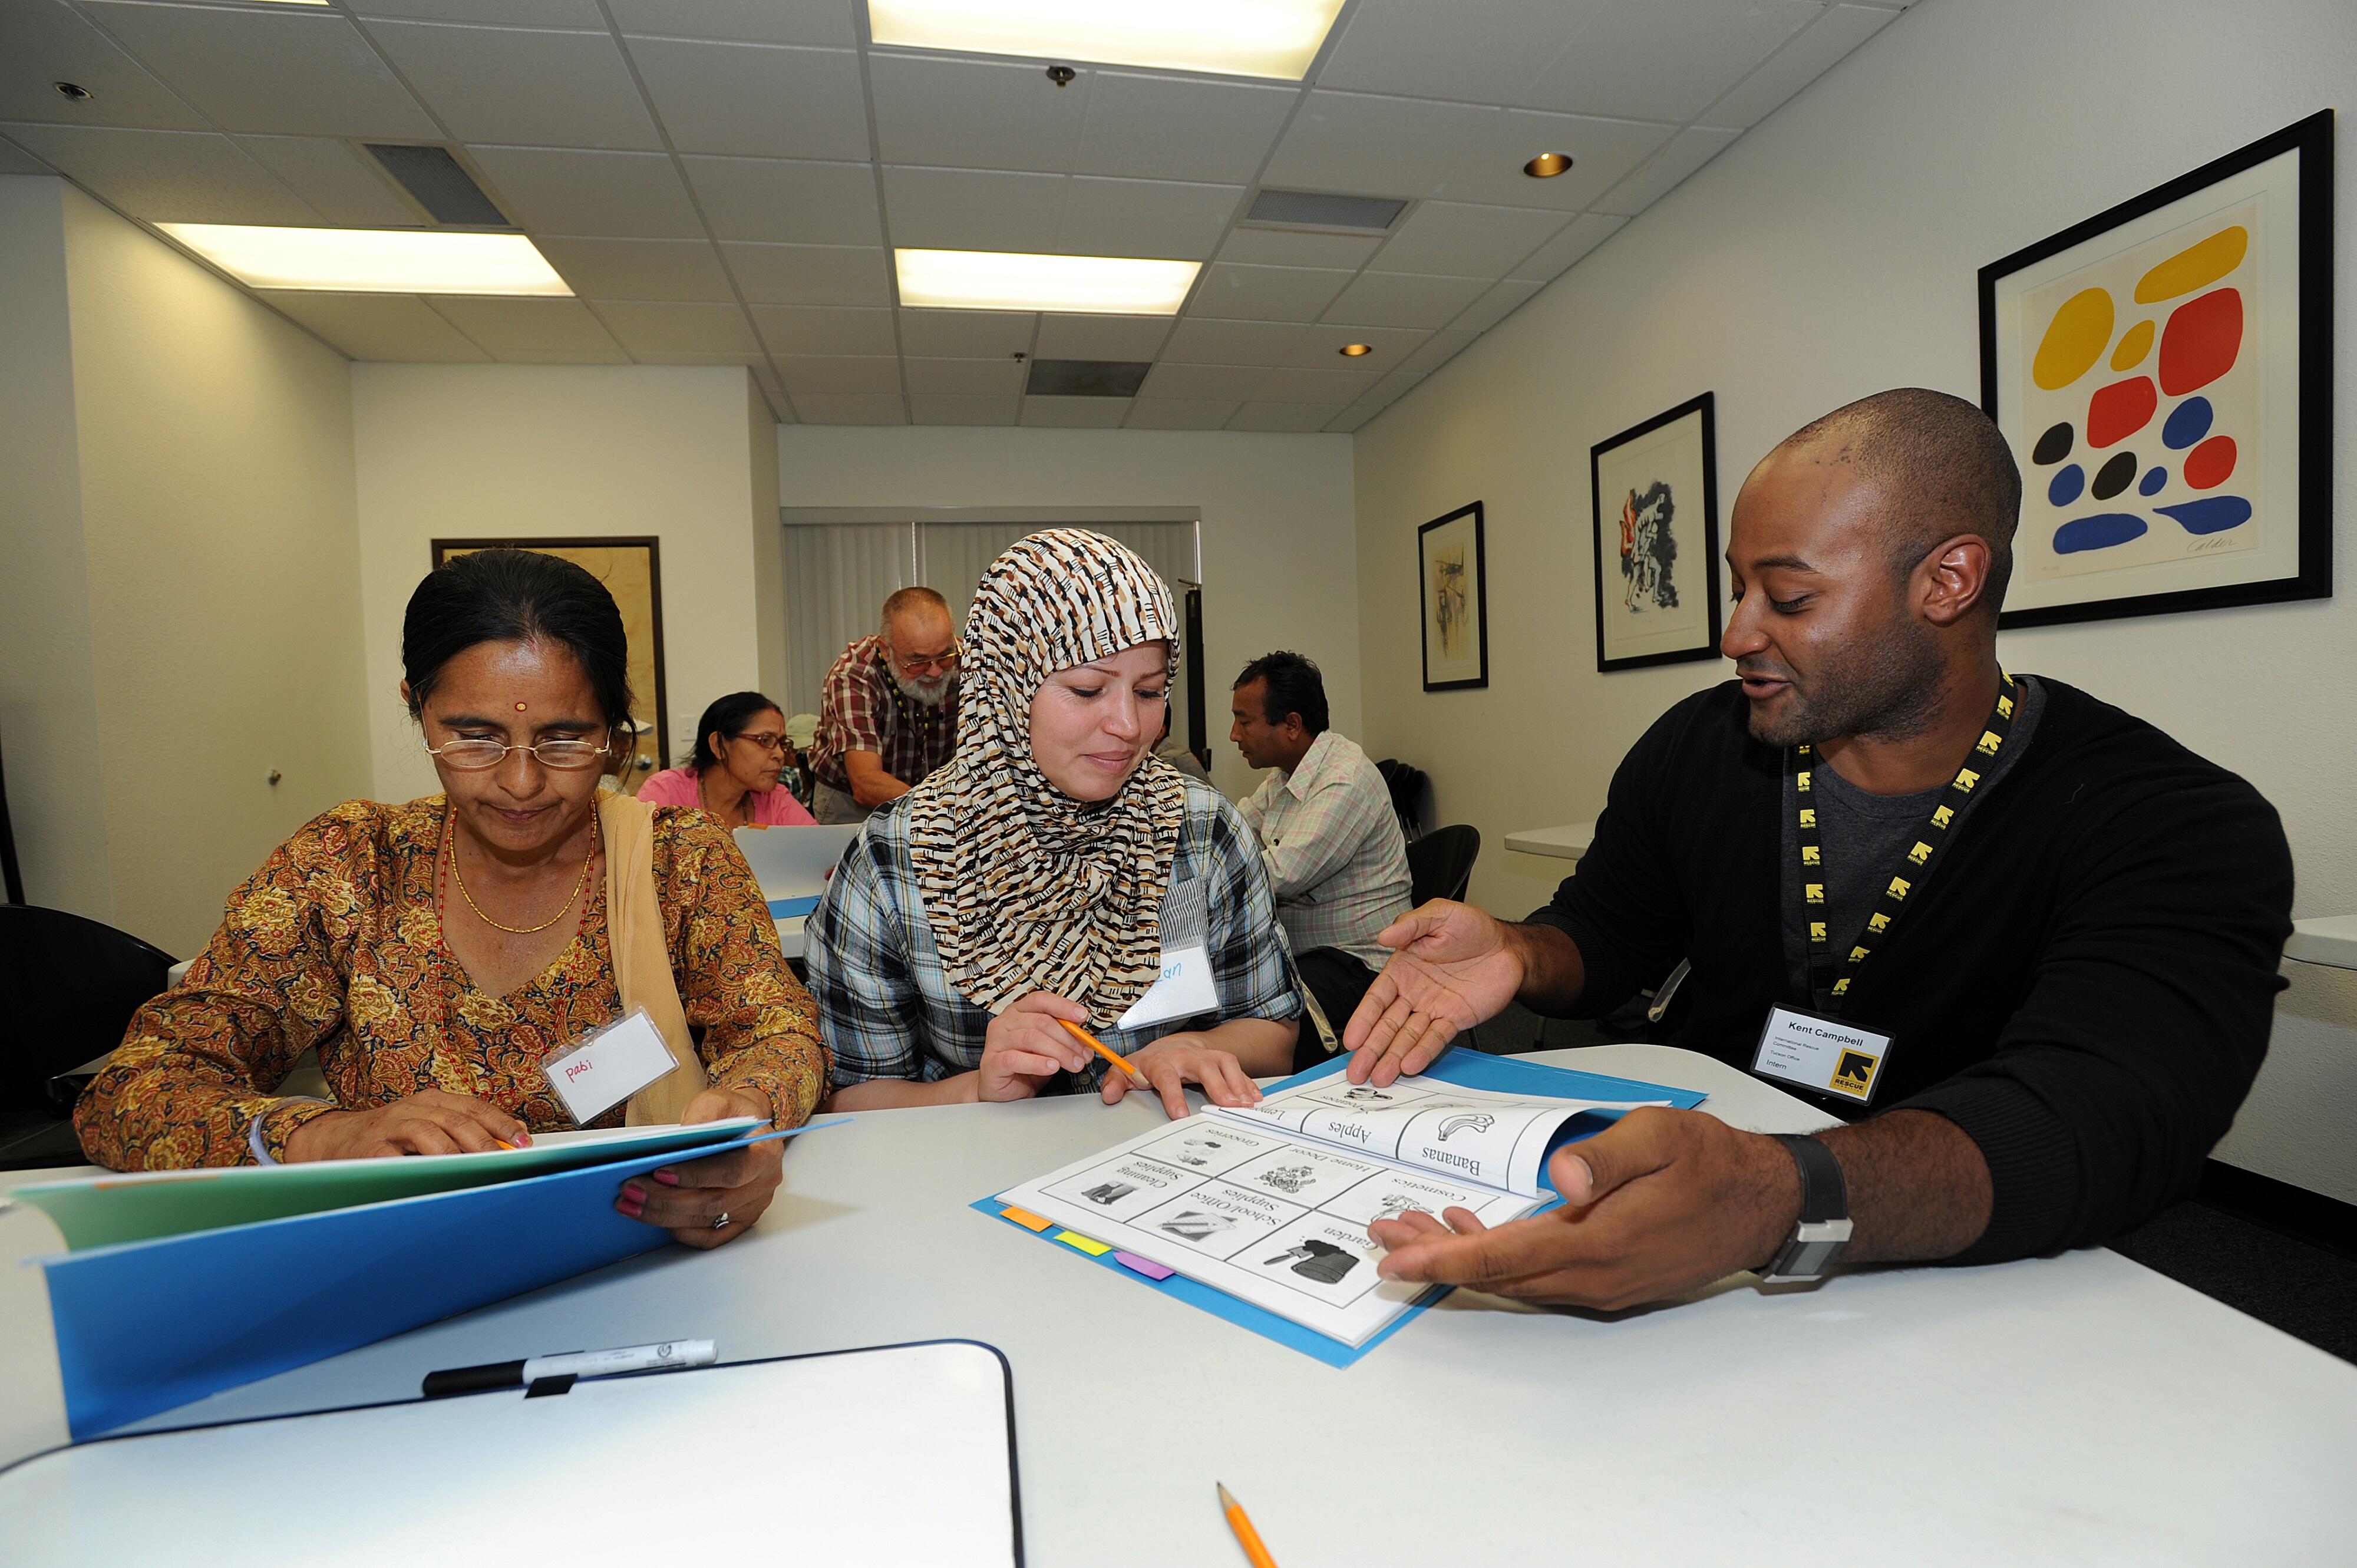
x=2100 y=531
x=2188 y=422
x=2066 y=485
x=2210 y=514
x=2154 y=481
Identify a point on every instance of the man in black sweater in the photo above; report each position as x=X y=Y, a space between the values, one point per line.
x=2029 y=939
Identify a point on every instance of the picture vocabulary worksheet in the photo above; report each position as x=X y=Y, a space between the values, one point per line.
x=1271 y=1203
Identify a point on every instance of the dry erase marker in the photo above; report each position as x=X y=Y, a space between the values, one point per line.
x=571 y=1364
x=1246 y=1536
x=1103 y=1049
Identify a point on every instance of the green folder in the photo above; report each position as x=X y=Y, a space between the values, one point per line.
x=98 y=1211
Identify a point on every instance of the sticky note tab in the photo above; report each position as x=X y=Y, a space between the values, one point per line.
x=1147 y=1266
x=1026 y=1218
x=1074 y=1238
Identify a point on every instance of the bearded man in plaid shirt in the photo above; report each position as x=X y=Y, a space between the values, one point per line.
x=887 y=715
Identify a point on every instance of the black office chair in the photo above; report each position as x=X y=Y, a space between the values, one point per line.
x=1406 y=786
x=71 y=985
x=1440 y=864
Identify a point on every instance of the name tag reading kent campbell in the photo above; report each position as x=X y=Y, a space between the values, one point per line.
x=1824 y=1055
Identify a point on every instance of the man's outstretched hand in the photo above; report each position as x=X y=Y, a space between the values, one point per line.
x=1452 y=966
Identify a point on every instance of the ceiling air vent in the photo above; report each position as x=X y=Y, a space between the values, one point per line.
x=1086 y=378
x=1324 y=210
x=446 y=190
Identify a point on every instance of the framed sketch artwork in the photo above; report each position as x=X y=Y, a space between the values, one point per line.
x=1454 y=579
x=2163 y=372
x=1655 y=491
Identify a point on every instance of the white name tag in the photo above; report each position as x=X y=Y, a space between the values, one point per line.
x=599 y=1072
x=1820 y=1053
x=1184 y=991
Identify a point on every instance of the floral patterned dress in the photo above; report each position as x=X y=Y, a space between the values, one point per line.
x=335 y=944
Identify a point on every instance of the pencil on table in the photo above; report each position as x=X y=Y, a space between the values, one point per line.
x=1246 y=1536
x=1103 y=1050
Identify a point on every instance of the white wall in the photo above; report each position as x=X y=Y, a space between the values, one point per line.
x=525 y=451
x=1279 y=565
x=1830 y=253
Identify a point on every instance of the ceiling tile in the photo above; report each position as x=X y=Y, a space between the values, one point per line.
x=1585 y=232
x=528 y=88
x=1605 y=150
x=1501 y=301
x=1665 y=59
x=974 y=209
x=1170 y=380
x=523 y=328
x=1335 y=387
x=1321 y=348
x=555 y=190
x=966 y=334
x=15 y=160
x=1144 y=217
x=1102 y=337
x=1201 y=341
x=345 y=187
x=746 y=359
x=1286 y=248
x=824 y=329
x=1160 y=127
x=581 y=13
x=1437 y=350
x=1076 y=412
x=750 y=21
x=809 y=275
x=282 y=69
x=165 y=176
x=1267 y=294
x=839 y=373
x=851 y=408
x=941 y=409
x=1284 y=416
x=1688 y=151
x=48 y=43
x=640 y=269
x=1474 y=51
x=398 y=327
x=792 y=203
x=1350 y=418
x=1840 y=29
x=1003 y=376
x=1400 y=299
x=1458 y=152
x=651 y=330
x=972 y=114
x=758 y=100
x=1181 y=413
x=780 y=409
x=1466 y=242
x=1392 y=388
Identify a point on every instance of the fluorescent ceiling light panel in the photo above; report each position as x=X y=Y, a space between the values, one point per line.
x=372 y=261
x=1006 y=279
x=1223 y=37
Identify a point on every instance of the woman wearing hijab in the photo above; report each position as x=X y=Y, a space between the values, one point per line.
x=1033 y=878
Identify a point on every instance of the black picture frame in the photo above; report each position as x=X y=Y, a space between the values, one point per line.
x=2311 y=140
x=1476 y=607
x=1703 y=410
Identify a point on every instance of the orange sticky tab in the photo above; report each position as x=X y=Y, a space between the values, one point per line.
x=1074 y=1238
x=1026 y=1218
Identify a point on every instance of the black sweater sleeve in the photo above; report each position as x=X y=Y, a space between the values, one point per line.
x=2147 y=1016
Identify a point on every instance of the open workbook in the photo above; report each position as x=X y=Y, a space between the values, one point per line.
x=1270 y=1204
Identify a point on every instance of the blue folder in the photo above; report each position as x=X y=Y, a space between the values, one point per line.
x=144 y=1325
x=788 y=908
x=1458 y=1065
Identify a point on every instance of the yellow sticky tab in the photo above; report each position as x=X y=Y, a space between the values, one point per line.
x=1808 y=816
x=1816 y=931
x=1026 y=1218
x=1899 y=885
x=1074 y=1238
x=1808 y=855
x=1815 y=891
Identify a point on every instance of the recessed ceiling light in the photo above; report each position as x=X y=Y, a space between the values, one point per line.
x=1352 y=350
x=73 y=89
x=1546 y=166
x=372 y=261
x=1223 y=37
x=1006 y=279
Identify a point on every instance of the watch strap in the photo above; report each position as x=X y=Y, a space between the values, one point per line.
x=1824 y=1193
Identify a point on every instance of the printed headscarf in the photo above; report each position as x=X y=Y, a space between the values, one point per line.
x=1026 y=888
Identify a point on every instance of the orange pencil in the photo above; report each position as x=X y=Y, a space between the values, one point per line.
x=1246 y=1536
x=1103 y=1050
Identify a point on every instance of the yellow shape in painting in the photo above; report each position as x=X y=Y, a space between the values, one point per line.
x=2074 y=339
x=2196 y=266
x=2135 y=344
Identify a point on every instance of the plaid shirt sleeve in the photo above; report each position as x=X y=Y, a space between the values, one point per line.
x=1253 y=971
x=869 y=1006
x=859 y=716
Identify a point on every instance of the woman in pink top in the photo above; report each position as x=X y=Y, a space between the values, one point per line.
x=740 y=751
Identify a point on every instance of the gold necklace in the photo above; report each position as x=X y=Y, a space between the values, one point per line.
x=579 y=884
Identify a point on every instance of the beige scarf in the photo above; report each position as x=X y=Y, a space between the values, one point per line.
x=634 y=926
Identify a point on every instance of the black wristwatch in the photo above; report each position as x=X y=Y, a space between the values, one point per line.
x=1824 y=1228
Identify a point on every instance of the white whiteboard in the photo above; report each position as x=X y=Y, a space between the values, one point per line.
x=902 y=1455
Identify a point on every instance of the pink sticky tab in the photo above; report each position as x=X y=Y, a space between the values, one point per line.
x=1147 y=1266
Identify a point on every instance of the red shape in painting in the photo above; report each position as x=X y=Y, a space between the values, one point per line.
x=2200 y=341
x=2209 y=464
x=2119 y=411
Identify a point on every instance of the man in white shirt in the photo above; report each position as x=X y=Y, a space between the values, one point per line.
x=1328 y=838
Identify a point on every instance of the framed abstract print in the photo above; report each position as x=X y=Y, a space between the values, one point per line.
x=1654 y=488
x=1454 y=593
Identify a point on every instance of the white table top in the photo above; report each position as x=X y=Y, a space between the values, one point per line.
x=790 y=935
x=1569 y=842
x=2331 y=940
x=2075 y=1410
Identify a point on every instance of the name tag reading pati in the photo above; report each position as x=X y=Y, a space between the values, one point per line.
x=1824 y=1055
x=607 y=1068
x=1184 y=990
